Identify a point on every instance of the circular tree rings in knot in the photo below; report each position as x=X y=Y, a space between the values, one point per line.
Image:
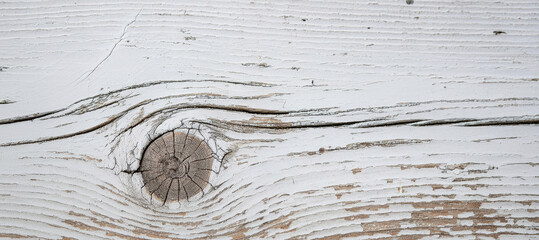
x=176 y=166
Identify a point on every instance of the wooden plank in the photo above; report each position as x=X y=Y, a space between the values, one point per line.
x=326 y=119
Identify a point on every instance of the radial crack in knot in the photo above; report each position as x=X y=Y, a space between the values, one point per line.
x=168 y=177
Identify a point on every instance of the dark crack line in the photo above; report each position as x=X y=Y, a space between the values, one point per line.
x=408 y=104
x=174 y=145
x=200 y=143
x=160 y=184
x=501 y=122
x=221 y=161
x=217 y=107
x=131 y=163
x=443 y=122
x=154 y=83
x=206 y=169
x=206 y=181
x=166 y=147
x=138 y=171
x=77 y=112
x=216 y=123
x=186 y=193
x=290 y=125
x=113 y=47
x=201 y=190
x=144 y=85
x=375 y=124
x=185 y=141
x=391 y=123
x=212 y=107
x=47 y=139
x=179 y=188
x=168 y=190
x=153 y=179
x=29 y=117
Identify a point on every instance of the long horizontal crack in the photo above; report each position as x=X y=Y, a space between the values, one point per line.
x=149 y=84
x=373 y=123
x=284 y=125
x=443 y=121
x=369 y=123
x=47 y=139
x=205 y=106
x=409 y=104
x=502 y=121
x=389 y=123
x=29 y=117
x=117 y=116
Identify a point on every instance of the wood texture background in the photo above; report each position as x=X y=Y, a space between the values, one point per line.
x=343 y=119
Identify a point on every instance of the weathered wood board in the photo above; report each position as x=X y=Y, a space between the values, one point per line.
x=327 y=119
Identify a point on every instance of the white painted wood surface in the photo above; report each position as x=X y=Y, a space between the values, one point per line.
x=343 y=119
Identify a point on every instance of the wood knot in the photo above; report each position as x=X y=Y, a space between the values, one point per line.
x=176 y=166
